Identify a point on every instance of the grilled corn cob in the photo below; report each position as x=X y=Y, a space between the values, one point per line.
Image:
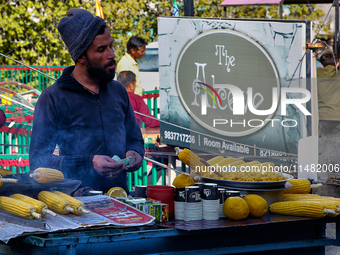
x=193 y=161
x=236 y=163
x=299 y=186
x=317 y=197
x=215 y=160
x=251 y=163
x=330 y=204
x=7 y=180
x=55 y=202
x=332 y=198
x=268 y=166
x=190 y=159
x=39 y=206
x=296 y=197
x=255 y=168
x=76 y=204
x=4 y=172
x=18 y=207
x=301 y=208
x=45 y=175
x=224 y=162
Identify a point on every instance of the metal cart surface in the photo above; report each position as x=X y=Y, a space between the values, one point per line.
x=272 y=234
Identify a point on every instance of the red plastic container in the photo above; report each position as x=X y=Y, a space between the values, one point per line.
x=165 y=194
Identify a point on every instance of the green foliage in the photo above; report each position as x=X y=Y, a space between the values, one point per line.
x=28 y=31
x=28 y=28
x=133 y=18
x=295 y=12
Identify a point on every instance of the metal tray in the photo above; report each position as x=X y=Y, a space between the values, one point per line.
x=286 y=186
x=28 y=186
x=247 y=185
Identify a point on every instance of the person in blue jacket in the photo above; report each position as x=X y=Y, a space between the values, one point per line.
x=85 y=114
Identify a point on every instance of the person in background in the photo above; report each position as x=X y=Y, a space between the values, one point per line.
x=328 y=87
x=135 y=50
x=86 y=113
x=128 y=79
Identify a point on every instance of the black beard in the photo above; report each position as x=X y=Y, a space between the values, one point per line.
x=99 y=73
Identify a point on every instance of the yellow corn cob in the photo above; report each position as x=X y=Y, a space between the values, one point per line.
x=256 y=167
x=252 y=166
x=215 y=160
x=330 y=204
x=268 y=166
x=213 y=176
x=55 y=202
x=301 y=208
x=296 y=197
x=45 y=175
x=299 y=186
x=192 y=160
x=318 y=198
x=18 y=207
x=251 y=163
x=336 y=200
x=7 y=180
x=4 y=172
x=39 y=206
x=76 y=204
x=333 y=198
x=224 y=162
x=236 y=163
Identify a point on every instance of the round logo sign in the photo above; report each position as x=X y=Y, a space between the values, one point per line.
x=227 y=82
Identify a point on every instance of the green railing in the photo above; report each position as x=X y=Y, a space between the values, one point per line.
x=151 y=97
x=15 y=140
x=30 y=77
x=141 y=176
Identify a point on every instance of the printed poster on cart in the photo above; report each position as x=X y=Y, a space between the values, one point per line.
x=235 y=87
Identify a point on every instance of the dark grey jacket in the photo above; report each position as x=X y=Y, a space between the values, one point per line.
x=83 y=125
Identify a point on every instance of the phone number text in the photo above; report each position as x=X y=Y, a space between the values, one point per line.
x=179 y=137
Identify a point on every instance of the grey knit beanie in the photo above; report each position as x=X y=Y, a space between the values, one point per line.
x=78 y=30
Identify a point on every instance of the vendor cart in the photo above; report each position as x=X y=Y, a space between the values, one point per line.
x=272 y=234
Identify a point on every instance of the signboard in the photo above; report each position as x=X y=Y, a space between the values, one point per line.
x=234 y=87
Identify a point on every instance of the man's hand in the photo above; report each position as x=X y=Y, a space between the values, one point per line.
x=137 y=163
x=108 y=167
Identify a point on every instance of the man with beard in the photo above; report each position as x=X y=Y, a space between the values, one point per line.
x=86 y=114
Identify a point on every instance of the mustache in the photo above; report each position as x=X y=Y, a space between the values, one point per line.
x=110 y=63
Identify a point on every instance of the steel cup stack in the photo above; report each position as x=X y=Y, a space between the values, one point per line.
x=193 y=204
x=179 y=204
x=211 y=202
x=222 y=198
